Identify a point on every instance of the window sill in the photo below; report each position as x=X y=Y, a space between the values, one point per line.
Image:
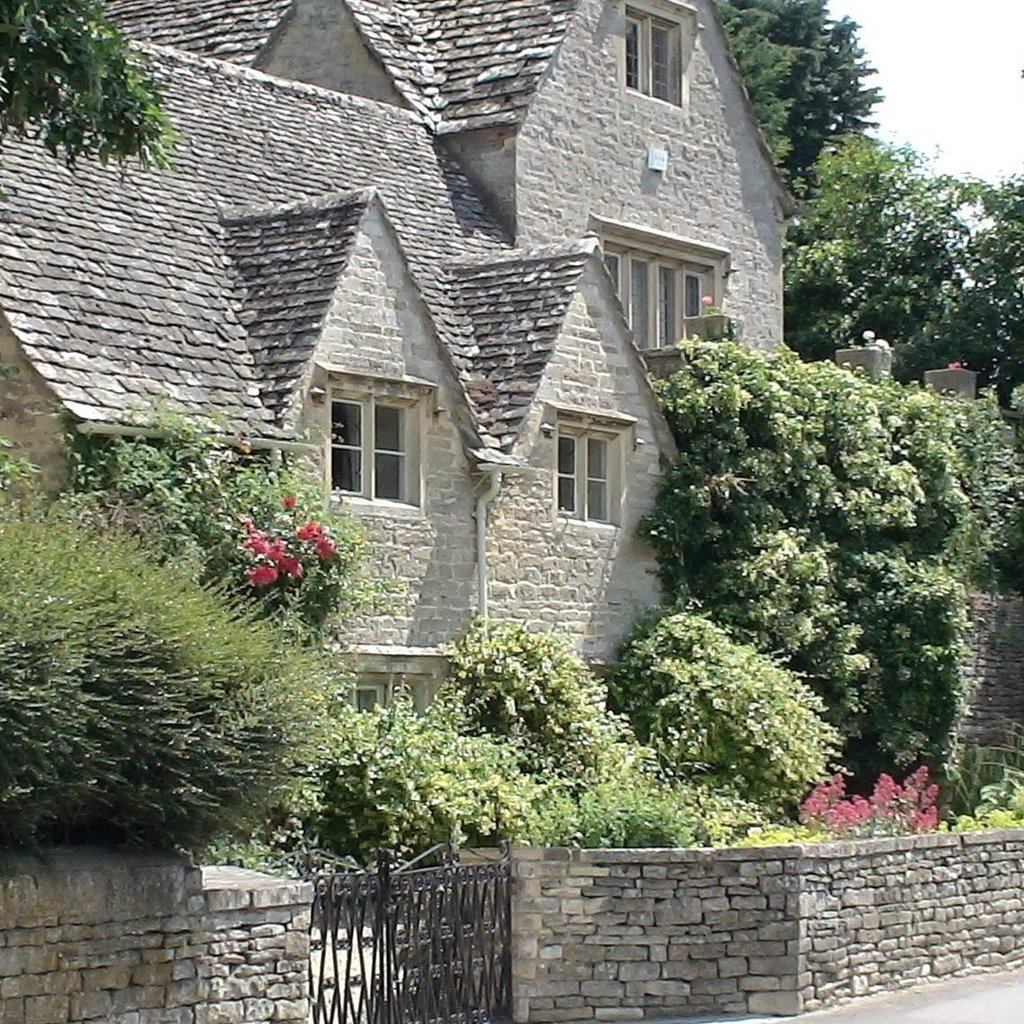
x=585 y=525
x=640 y=98
x=376 y=507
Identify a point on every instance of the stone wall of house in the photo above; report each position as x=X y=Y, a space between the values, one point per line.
x=589 y=580
x=619 y=935
x=96 y=937
x=377 y=326
x=583 y=150
x=995 y=669
x=319 y=43
x=29 y=416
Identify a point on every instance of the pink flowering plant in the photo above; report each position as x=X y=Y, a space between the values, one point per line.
x=891 y=810
x=292 y=563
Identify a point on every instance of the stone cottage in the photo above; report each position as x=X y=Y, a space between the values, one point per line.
x=437 y=244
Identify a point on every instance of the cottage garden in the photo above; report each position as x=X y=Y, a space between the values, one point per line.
x=171 y=674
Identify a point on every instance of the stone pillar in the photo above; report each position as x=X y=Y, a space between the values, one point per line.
x=954 y=380
x=874 y=360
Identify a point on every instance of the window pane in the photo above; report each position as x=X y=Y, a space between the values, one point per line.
x=346 y=423
x=389 y=423
x=667 y=318
x=661 y=62
x=632 y=54
x=347 y=470
x=694 y=293
x=567 y=455
x=566 y=494
x=597 y=500
x=389 y=477
x=368 y=697
x=613 y=263
x=597 y=459
x=640 y=303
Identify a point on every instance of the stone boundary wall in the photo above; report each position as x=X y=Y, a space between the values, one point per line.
x=92 y=936
x=995 y=669
x=621 y=935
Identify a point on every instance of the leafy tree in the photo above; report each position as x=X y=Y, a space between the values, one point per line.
x=68 y=78
x=805 y=74
x=721 y=712
x=834 y=523
x=882 y=247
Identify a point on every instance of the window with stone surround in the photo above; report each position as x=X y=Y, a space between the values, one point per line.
x=662 y=279
x=379 y=689
x=375 y=440
x=658 y=36
x=588 y=466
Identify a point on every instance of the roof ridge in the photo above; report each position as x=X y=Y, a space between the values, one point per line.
x=230 y=69
x=253 y=212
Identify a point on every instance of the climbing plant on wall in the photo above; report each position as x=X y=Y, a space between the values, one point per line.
x=836 y=523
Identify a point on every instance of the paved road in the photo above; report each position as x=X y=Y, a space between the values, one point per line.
x=991 y=999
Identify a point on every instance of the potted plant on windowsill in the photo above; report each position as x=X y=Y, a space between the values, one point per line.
x=713 y=324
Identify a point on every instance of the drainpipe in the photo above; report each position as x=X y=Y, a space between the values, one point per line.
x=486 y=496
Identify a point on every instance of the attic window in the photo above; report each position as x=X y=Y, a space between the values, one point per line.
x=658 y=36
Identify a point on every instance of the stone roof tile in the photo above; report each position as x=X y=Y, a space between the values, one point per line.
x=517 y=306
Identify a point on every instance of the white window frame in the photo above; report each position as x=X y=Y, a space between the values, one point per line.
x=661 y=330
x=582 y=432
x=380 y=688
x=643 y=18
x=369 y=394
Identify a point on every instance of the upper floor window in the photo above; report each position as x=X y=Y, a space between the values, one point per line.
x=375 y=447
x=587 y=477
x=654 y=56
x=661 y=296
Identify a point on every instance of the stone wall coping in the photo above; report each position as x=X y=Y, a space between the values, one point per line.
x=795 y=851
x=224 y=878
x=85 y=858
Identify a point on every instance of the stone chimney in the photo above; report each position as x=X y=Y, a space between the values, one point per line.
x=953 y=380
x=874 y=357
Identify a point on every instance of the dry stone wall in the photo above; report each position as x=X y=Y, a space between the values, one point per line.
x=620 y=935
x=90 y=936
x=995 y=669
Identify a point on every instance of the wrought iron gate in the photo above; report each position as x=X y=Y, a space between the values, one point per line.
x=413 y=944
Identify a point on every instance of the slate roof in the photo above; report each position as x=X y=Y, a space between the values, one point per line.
x=120 y=286
x=517 y=306
x=467 y=63
x=286 y=263
x=235 y=30
x=461 y=63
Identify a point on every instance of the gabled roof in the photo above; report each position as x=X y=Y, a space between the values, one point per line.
x=468 y=65
x=461 y=63
x=517 y=306
x=285 y=263
x=118 y=285
x=235 y=30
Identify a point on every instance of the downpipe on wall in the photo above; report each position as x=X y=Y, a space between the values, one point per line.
x=493 y=477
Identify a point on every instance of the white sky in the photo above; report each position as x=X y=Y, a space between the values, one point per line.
x=951 y=74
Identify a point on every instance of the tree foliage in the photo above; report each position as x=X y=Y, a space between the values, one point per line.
x=721 y=712
x=134 y=706
x=69 y=79
x=833 y=523
x=805 y=74
x=199 y=502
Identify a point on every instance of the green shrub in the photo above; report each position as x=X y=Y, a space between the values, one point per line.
x=198 y=502
x=534 y=691
x=718 y=711
x=394 y=778
x=835 y=523
x=134 y=706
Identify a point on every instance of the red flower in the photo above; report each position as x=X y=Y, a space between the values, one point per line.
x=311 y=531
x=291 y=567
x=290 y=502
x=955 y=366
x=262 y=575
x=278 y=550
x=257 y=543
x=326 y=548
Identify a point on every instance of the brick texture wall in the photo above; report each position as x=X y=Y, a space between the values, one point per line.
x=97 y=937
x=613 y=935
